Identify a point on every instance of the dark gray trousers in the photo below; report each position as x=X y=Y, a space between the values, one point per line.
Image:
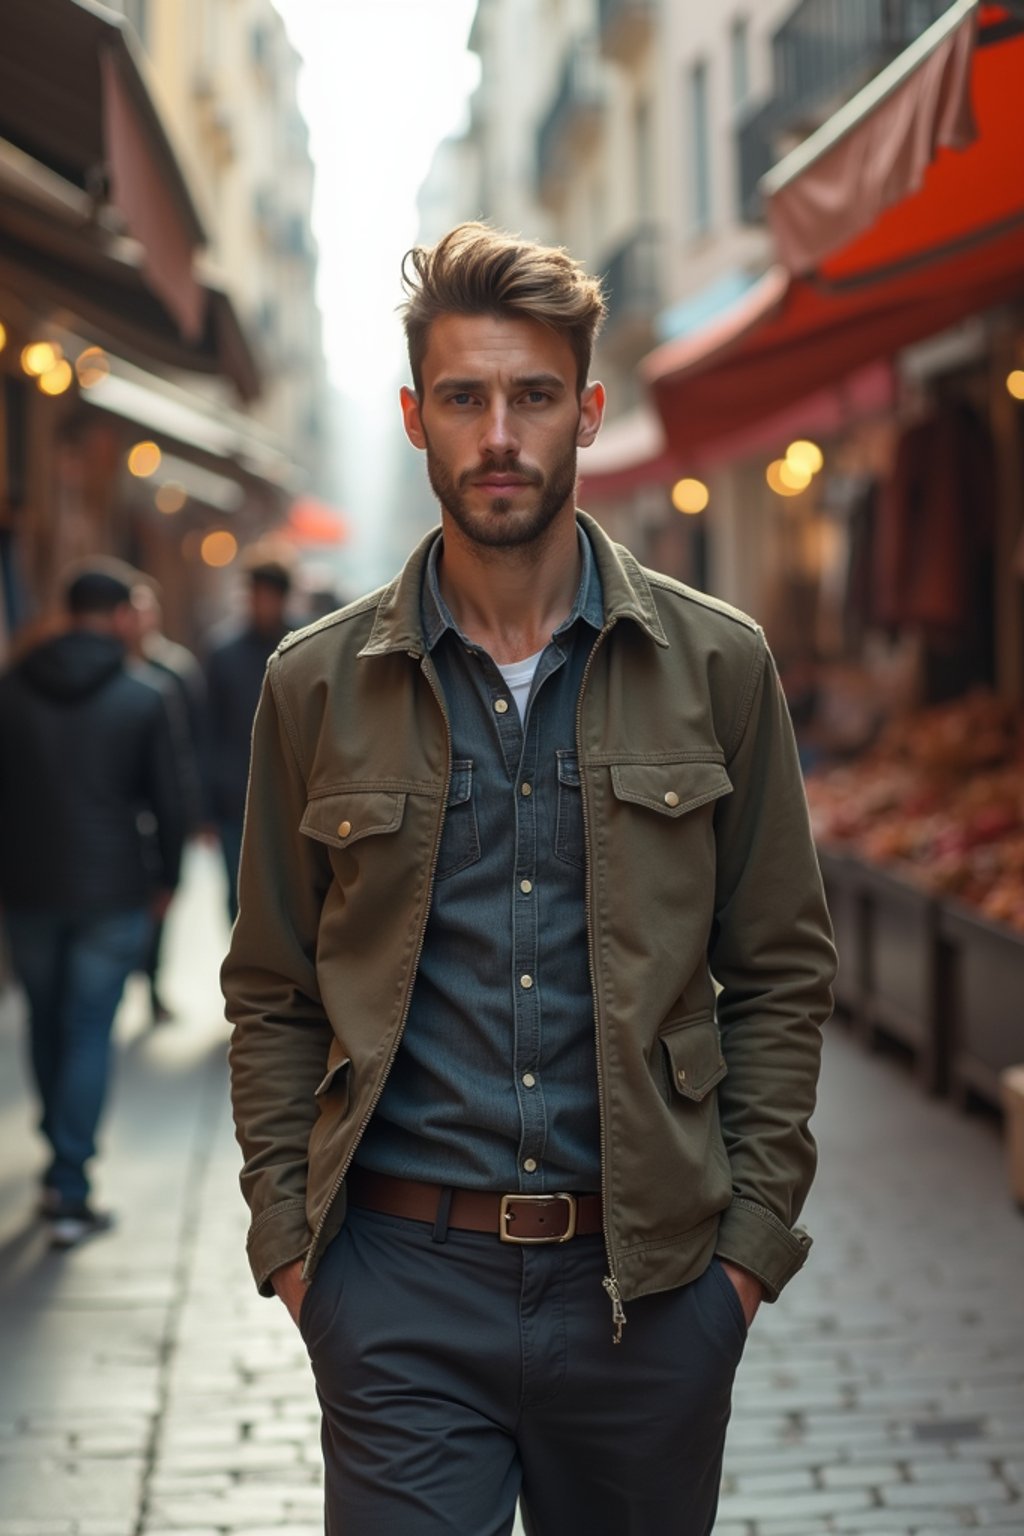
x=457 y=1375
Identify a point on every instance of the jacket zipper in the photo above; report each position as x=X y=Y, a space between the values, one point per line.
x=412 y=979
x=610 y=1281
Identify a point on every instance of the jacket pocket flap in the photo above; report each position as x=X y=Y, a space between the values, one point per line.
x=671 y=789
x=343 y=818
x=695 y=1057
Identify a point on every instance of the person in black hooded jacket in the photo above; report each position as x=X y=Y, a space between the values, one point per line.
x=92 y=826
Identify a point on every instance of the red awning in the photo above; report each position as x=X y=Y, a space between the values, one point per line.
x=311 y=521
x=950 y=246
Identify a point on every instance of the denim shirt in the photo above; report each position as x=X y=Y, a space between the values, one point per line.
x=495 y=1082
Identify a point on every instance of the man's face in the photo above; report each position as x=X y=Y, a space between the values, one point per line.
x=266 y=606
x=500 y=420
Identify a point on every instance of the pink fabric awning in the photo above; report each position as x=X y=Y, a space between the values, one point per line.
x=142 y=194
x=951 y=248
x=876 y=151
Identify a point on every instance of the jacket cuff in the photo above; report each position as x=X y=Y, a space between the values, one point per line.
x=753 y=1237
x=279 y=1235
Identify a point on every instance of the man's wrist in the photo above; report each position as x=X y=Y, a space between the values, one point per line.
x=749 y=1288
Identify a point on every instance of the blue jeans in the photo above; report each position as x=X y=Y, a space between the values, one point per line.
x=73 y=969
x=230 y=834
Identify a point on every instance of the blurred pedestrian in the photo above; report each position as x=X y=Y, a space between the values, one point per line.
x=180 y=672
x=234 y=676
x=87 y=755
x=510 y=820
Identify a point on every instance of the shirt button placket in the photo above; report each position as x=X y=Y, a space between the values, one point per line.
x=527 y=999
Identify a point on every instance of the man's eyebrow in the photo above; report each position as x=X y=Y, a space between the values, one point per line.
x=521 y=381
x=467 y=386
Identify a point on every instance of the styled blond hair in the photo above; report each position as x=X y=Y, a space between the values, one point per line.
x=477 y=270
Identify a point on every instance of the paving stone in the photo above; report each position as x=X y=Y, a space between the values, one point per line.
x=872 y=1522
x=36 y=1528
x=866 y=1474
x=797 y=1505
x=967 y=1493
x=787 y=1481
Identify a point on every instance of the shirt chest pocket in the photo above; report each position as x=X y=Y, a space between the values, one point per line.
x=569 y=842
x=460 y=840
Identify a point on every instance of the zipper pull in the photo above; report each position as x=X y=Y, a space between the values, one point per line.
x=611 y=1285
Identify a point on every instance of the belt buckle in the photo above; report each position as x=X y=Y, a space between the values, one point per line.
x=505 y=1213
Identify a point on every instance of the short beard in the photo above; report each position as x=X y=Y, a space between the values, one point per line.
x=501 y=527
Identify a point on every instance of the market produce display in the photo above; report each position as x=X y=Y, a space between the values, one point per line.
x=940 y=801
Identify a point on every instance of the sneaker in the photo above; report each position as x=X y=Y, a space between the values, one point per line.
x=74 y=1224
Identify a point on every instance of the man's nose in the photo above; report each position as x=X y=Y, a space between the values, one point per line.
x=499 y=435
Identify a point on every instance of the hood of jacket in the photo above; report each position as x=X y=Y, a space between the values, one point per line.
x=73 y=665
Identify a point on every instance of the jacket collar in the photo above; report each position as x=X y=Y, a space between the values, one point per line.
x=627 y=595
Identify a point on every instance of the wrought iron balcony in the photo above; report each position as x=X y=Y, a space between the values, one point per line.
x=633 y=293
x=822 y=54
x=571 y=123
x=626 y=26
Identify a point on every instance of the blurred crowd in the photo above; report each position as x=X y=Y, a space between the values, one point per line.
x=117 y=745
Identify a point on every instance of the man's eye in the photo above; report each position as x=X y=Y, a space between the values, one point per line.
x=536 y=396
x=462 y=398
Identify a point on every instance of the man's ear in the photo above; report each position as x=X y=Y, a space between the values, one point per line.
x=591 y=414
x=411 y=418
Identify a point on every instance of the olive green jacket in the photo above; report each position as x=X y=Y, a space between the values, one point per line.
x=701 y=879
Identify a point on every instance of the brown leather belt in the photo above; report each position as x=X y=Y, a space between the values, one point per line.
x=514 y=1218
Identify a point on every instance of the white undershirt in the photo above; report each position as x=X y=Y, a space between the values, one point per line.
x=519 y=677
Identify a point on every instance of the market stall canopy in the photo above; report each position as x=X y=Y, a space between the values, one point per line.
x=94 y=208
x=201 y=430
x=901 y=216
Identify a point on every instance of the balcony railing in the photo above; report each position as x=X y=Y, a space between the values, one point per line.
x=571 y=122
x=822 y=54
x=633 y=292
x=626 y=27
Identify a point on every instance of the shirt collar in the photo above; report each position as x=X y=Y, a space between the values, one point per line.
x=589 y=604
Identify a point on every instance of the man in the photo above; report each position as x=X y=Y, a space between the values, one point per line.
x=519 y=1177
x=180 y=675
x=234 y=674
x=88 y=757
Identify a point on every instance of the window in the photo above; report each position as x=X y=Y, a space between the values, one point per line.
x=739 y=49
x=700 y=150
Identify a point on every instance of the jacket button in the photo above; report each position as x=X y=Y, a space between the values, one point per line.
x=344 y=828
x=501 y=706
x=681 y=1074
x=672 y=799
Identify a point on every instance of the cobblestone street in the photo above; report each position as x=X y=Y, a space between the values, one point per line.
x=146 y=1389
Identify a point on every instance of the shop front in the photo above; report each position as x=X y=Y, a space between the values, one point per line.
x=885 y=548
x=113 y=336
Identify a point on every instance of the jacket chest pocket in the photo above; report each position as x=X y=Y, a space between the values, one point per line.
x=671 y=789
x=460 y=840
x=343 y=817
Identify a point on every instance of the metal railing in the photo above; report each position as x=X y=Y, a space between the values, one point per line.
x=577 y=105
x=631 y=280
